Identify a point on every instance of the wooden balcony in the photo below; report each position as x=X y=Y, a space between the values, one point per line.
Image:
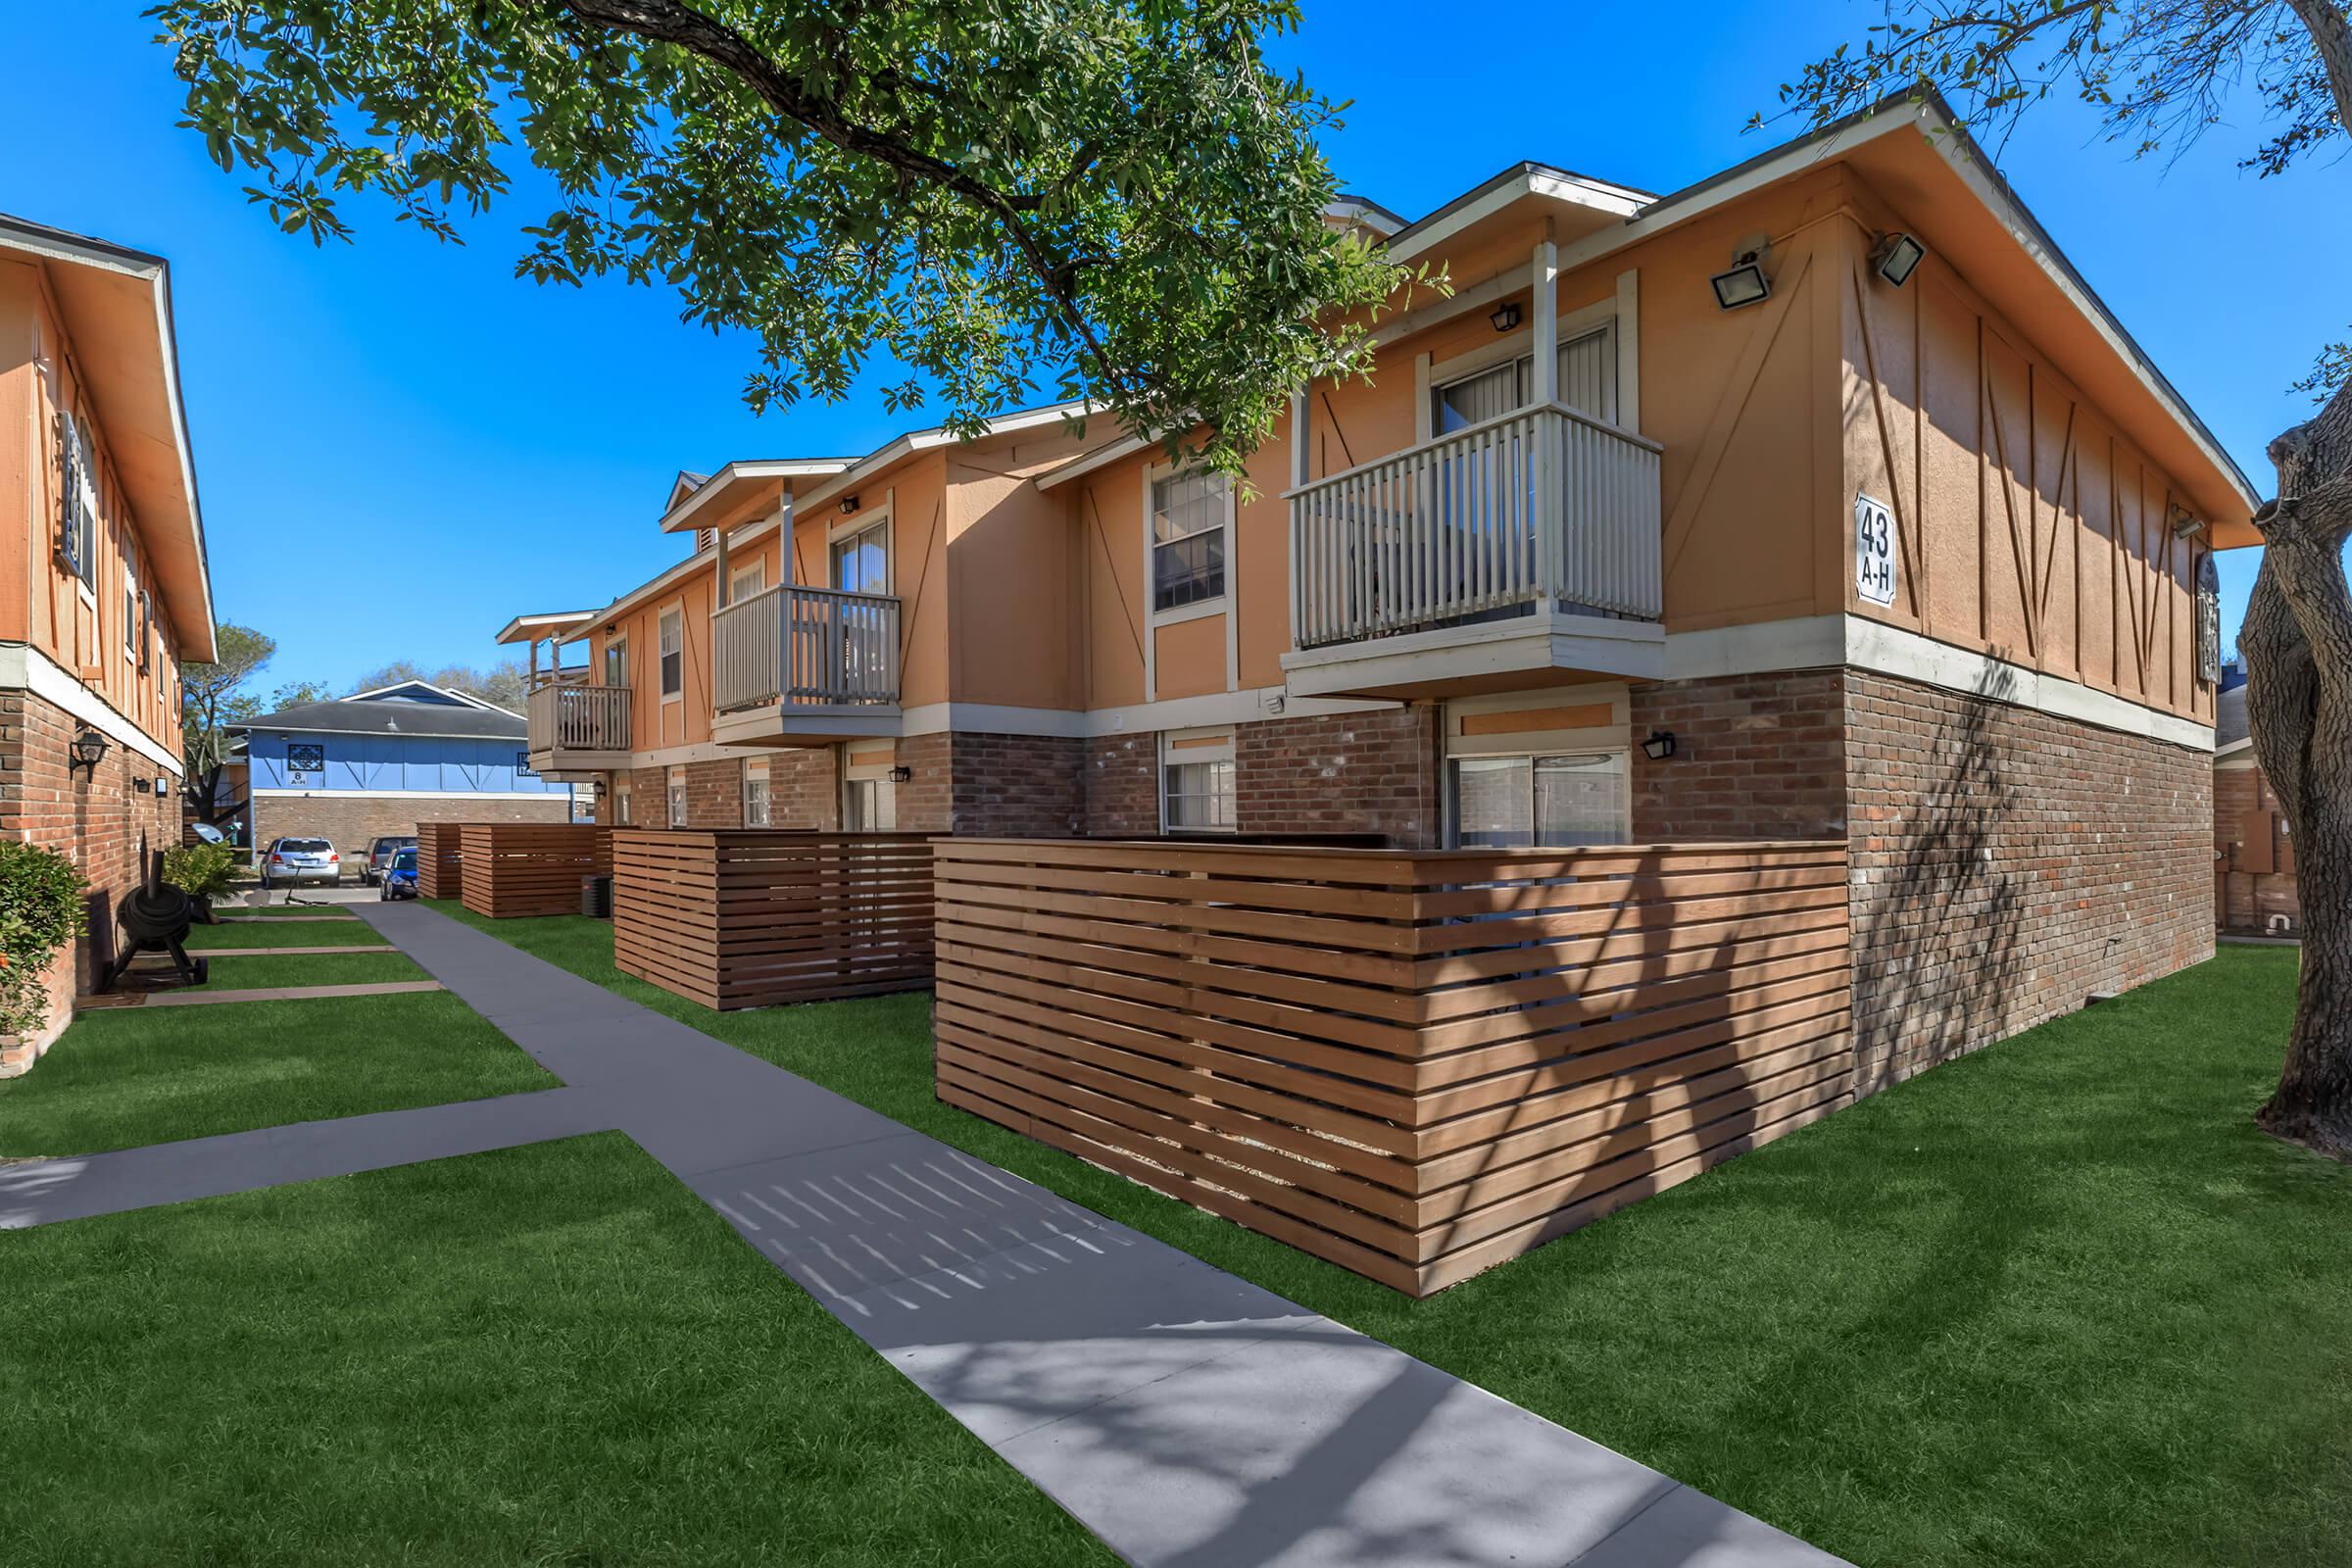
x=805 y=667
x=577 y=728
x=1497 y=555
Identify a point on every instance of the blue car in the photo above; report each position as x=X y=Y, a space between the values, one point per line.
x=399 y=877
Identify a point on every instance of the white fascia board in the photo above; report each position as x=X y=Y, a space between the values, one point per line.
x=26 y=668
x=542 y=624
x=680 y=517
x=268 y=794
x=1483 y=202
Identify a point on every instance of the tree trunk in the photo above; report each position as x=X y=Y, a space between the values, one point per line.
x=2297 y=642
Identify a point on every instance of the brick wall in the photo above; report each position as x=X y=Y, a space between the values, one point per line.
x=803 y=788
x=2245 y=813
x=1369 y=772
x=715 y=792
x=1121 y=786
x=1015 y=785
x=94 y=820
x=1756 y=756
x=925 y=800
x=350 y=823
x=2006 y=864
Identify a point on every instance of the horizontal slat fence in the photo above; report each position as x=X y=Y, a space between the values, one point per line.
x=750 y=917
x=438 y=858
x=525 y=869
x=1415 y=1065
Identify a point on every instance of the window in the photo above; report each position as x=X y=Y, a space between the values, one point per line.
x=146 y=632
x=751 y=579
x=674 y=654
x=870 y=805
x=616 y=661
x=77 y=512
x=677 y=797
x=130 y=606
x=1587 y=368
x=861 y=560
x=1187 y=539
x=622 y=813
x=1197 y=797
x=757 y=808
x=1554 y=801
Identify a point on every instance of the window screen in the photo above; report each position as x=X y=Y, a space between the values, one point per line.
x=1556 y=802
x=1187 y=539
x=1197 y=797
x=674 y=654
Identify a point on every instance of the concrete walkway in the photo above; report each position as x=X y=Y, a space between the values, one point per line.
x=1186 y=1416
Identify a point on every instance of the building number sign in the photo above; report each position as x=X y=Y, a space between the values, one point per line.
x=1873 y=551
x=306 y=763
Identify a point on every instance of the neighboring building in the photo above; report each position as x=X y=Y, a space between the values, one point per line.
x=382 y=762
x=2253 y=860
x=1822 y=498
x=103 y=586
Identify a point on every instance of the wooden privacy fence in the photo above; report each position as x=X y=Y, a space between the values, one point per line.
x=1415 y=1065
x=519 y=868
x=750 y=917
x=438 y=859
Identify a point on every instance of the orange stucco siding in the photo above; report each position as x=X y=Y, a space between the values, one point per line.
x=86 y=629
x=2030 y=529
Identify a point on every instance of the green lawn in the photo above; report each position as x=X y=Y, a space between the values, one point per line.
x=122 y=1077
x=310 y=969
x=284 y=934
x=551 y=1355
x=2055 y=1303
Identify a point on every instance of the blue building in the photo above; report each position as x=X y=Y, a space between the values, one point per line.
x=382 y=762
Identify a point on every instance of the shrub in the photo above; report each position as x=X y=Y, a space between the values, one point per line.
x=201 y=870
x=40 y=912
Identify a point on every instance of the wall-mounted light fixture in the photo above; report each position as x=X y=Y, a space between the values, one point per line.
x=1897 y=256
x=2184 y=524
x=163 y=786
x=87 y=750
x=900 y=775
x=139 y=784
x=1506 y=316
x=1744 y=282
x=848 y=504
x=1659 y=745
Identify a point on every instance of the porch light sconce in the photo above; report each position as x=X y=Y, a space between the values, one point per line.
x=1506 y=316
x=1745 y=283
x=2185 y=526
x=87 y=750
x=848 y=504
x=900 y=775
x=1659 y=745
x=139 y=784
x=1896 y=257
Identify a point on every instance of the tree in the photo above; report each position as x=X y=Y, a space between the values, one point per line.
x=2158 y=72
x=1114 y=198
x=212 y=697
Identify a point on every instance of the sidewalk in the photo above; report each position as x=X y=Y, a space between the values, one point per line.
x=1186 y=1416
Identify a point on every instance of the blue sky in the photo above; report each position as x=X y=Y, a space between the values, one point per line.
x=404 y=423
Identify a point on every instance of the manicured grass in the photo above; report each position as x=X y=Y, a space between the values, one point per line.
x=310 y=969
x=284 y=934
x=122 y=1077
x=545 y=1355
x=2055 y=1303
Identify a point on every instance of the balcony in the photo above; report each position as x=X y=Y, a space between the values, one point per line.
x=1520 y=551
x=577 y=728
x=805 y=667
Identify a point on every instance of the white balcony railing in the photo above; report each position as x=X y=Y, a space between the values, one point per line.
x=805 y=645
x=1543 y=504
x=570 y=717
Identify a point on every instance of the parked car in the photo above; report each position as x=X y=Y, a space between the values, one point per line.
x=293 y=862
x=379 y=857
x=399 y=875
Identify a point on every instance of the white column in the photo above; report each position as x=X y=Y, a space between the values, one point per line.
x=1545 y=388
x=1544 y=312
x=784 y=576
x=1294 y=589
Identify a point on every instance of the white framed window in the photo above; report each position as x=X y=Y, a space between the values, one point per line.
x=77 y=520
x=677 y=797
x=860 y=556
x=621 y=807
x=757 y=808
x=672 y=627
x=1189 y=514
x=1556 y=801
x=1196 y=782
x=751 y=579
x=1588 y=370
x=130 y=604
x=616 y=661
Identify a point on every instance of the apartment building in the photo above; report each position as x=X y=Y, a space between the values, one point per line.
x=1821 y=498
x=102 y=584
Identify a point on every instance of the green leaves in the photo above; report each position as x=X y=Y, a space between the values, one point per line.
x=1013 y=198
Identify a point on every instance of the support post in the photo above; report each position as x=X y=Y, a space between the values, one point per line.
x=1543 y=382
x=719 y=536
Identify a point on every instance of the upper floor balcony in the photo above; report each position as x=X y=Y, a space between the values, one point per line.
x=805 y=667
x=575 y=727
x=1481 y=559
